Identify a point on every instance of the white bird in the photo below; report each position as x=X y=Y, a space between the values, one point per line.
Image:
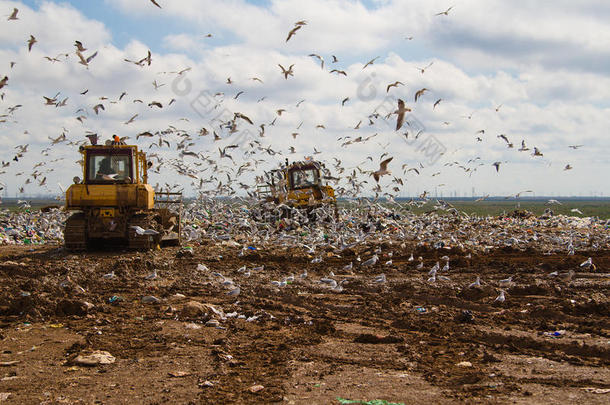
x=432 y=272
x=476 y=283
x=242 y=269
x=588 y=264
x=436 y=267
x=141 y=231
x=348 y=267
x=443 y=278
x=317 y=259
x=507 y=282
x=304 y=274
x=388 y=263
x=259 y=268
x=332 y=283
x=371 y=261
x=380 y=279
x=420 y=266
x=432 y=279
x=234 y=292
x=410 y=259
x=446 y=266
x=501 y=297
x=152 y=275
x=109 y=276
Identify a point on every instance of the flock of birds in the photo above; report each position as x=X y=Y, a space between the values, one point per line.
x=219 y=172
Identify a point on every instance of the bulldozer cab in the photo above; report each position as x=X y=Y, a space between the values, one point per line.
x=104 y=167
x=112 y=165
x=303 y=176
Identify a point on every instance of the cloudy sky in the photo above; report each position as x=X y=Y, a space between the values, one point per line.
x=537 y=73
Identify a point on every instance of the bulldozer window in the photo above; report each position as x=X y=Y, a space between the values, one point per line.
x=109 y=168
x=304 y=178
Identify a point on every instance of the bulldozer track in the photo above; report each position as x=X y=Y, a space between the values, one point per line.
x=75 y=233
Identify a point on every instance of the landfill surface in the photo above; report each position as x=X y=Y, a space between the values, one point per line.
x=378 y=306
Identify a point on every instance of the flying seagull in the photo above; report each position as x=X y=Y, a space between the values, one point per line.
x=383 y=169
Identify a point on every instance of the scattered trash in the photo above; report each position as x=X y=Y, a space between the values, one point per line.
x=115 y=299
x=256 y=388
x=594 y=390
x=94 y=359
x=150 y=299
x=179 y=374
x=372 y=402
x=555 y=334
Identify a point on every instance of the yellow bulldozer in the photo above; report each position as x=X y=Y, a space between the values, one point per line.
x=115 y=205
x=298 y=185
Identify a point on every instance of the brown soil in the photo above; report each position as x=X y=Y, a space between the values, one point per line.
x=405 y=340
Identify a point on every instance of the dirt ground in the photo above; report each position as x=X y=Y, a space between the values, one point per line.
x=405 y=340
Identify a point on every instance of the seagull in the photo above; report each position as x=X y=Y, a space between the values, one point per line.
x=155 y=3
x=293 y=31
x=319 y=58
x=420 y=93
x=395 y=84
x=288 y=72
x=423 y=70
x=497 y=165
x=507 y=282
x=304 y=274
x=588 y=264
x=476 y=283
x=31 y=42
x=565 y=276
x=234 y=292
x=501 y=297
x=152 y=275
x=348 y=267
x=380 y=279
x=332 y=283
x=446 y=12
x=13 y=15
x=568 y=167
x=401 y=113
x=109 y=276
x=141 y=231
x=577 y=211
x=383 y=169
x=370 y=62
x=371 y=261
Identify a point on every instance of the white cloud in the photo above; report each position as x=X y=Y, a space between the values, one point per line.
x=473 y=74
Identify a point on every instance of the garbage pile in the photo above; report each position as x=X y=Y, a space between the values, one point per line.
x=244 y=224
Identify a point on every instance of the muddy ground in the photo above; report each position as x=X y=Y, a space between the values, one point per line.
x=404 y=341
